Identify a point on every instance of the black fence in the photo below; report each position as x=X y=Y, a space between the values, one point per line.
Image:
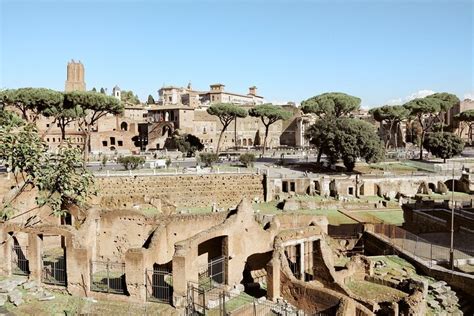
x=20 y=264
x=214 y=273
x=108 y=277
x=221 y=303
x=159 y=286
x=54 y=268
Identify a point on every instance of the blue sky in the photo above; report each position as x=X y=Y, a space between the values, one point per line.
x=381 y=51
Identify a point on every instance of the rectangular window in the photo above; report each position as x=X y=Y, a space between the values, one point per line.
x=350 y=191
x=120 y=143
x=284 y=186
x=47 y=125
x=104 y=143
x=292 y=187
x=112 y=141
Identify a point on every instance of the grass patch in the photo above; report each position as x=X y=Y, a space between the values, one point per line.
x=376 y=292
x=394 y=217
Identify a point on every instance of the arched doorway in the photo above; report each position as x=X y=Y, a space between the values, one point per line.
x=124 y=126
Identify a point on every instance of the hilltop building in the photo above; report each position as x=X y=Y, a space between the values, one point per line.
x=75 y=77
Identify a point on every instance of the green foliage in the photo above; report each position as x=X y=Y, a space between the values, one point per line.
x=226 y=112
x=444 y=145
x=129 y=97
x=9 y=118
x=168 y=162
x=247 y=159
x=446 y=100
x=187 y=144
x=208 y=158
x=92 y=107
x=150 y=100
x=31 y=102
x=390 y=115
x=269 y=114
x=334 y=104
x=59 y=177
x=465 y=116
x=347 y=139
x=131 y=162
x=94 y=89
x=102 y=90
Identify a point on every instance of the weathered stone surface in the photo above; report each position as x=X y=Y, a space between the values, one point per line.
x=291 y=205
x=3 y=299
x=15 y=297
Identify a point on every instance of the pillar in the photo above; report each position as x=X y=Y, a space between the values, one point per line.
x=35 y=244
x=179 y=281
x=302 y=274
x=6 y=245
x=135 y=274
x=78 y=270
x=273 y=279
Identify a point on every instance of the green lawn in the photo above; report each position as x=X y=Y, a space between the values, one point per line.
x=376 y=292
x=394 y=217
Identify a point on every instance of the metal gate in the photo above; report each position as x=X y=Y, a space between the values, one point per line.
x=20 y=264
x=214 y=272
x=196 y=300
x=54 y=270
x=108 y=277
x=159 y=286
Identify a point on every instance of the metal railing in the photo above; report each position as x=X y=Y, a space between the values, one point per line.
x=108 y=277
x=220 y=302
x=420 y=247
x=159 y=286
x=54 y=270
x=20 y=264
x=214 y=273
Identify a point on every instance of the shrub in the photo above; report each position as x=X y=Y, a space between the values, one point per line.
x=208 y=159
x=247 y=159
x=131 y=162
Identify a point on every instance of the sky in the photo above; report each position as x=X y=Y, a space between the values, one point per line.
x=384 y=52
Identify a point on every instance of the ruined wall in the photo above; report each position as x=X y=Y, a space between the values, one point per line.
x=188 y=190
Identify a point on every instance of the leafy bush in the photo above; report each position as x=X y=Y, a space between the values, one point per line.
x=208 y=159
x=131 y=162
x=247 y=159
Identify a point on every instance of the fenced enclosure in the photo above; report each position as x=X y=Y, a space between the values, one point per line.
x=214 y=273
x=54 y=267
x=20 y=264
x=421 y=247
x=216 y=302
x=108 y=277
x=159 y=286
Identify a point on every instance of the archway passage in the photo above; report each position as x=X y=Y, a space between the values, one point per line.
x=254 y=276
x=124 y=126
x=317 y=188
x=432 y=187
x=159 y=283
x=213 y=261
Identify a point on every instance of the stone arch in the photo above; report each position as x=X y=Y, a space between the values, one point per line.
x=432 y=187
x=166 y=131
x=458 y=185
x=244 y=142
x=377 y=190
x=332 y=188
x=250 y=142
x=423 y=188
x=317 y=187
x=124 y=126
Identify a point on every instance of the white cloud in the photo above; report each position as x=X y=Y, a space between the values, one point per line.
x=469 y=95
x=415 y=95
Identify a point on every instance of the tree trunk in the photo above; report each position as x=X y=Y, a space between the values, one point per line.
x=267 y=127
x=63 y=133
x=422 y=138
x=220 y=138
x=87 y=144
x=320 y=153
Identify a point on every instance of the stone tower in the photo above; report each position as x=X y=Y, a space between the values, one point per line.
x=75 y=77
x=117 y=93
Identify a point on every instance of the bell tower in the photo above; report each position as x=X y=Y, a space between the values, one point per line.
x=75 y=77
